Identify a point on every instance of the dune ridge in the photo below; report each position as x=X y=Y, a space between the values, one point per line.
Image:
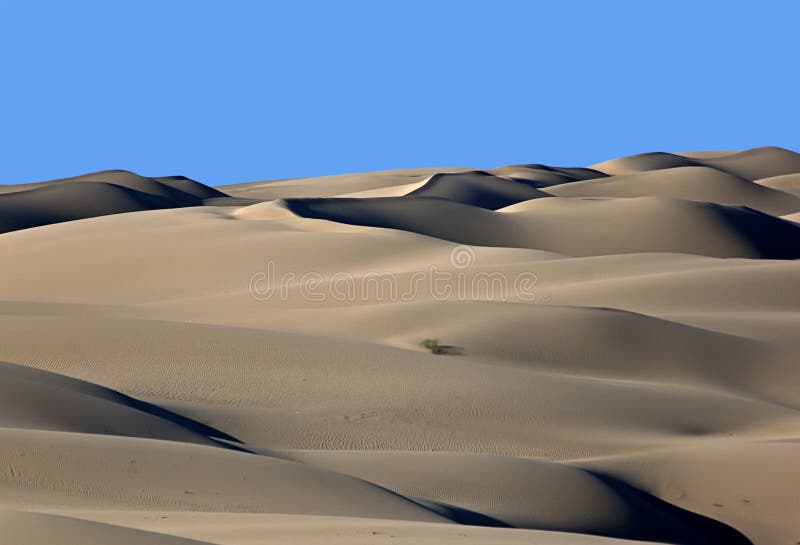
x=694 y=183
x=478 y=188
x=596 y=227
x=749 y=164
x=24 y=206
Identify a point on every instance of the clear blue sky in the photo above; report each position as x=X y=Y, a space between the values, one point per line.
x=230 y=91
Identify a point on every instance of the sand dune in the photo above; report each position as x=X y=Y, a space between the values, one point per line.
x=53 y=469
x=751 y=164
x=34 y=399
x=111 y=192
x=477 y=188
x=329 y=186
x=53 y=204
x=706 y=154
x=714 y=475
x=395 y=396
x=692 y=183
x=530 y=494
x=42 y=529
x=643 y=162
x=258 y=528
x=790 y=183
x=544 y=176
x=180 y=188
x=596 y=227
x=184 y=364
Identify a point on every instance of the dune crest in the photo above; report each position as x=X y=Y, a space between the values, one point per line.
x=575 y=226
x=24 y=206
x=749 y=164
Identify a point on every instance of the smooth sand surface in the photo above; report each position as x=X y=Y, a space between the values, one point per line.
x=789 y=183
x=241 y=365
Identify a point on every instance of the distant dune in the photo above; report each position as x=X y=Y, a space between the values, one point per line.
x=617 y=357
x=575 y=227
x=100 y=194
x=751 y=164
x=690 y=183
x=478 y=188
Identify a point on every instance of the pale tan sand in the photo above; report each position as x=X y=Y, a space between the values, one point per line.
x=691 y=183
x=257 y=529
x=762 y=501
x=478 y=188
x=525 y=493
x=645 y=387
x=708 y=154
x=751 y=164
x=790 y=183
x=43 y=529
x=595 y=226
x=331 y=186
x=38 y=400
x=544 y=176
x=792 y=217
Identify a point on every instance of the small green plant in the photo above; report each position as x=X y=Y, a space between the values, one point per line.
x=432 y=345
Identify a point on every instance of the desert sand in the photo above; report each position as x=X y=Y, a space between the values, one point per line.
x=242 y=364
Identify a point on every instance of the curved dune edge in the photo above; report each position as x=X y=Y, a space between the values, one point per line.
x=750 y=164
x=596 y=227
x=710 y=193
x=137 y=527
x=24 y=206
x=167 y=366
x=40 y=400
x=530 y=494
x=27 y=528
x=696 y=183
x=789 y=183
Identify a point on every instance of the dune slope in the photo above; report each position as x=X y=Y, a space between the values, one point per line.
x=478 y=189
x=24 y=206
x=692 y=183
x=576 y=227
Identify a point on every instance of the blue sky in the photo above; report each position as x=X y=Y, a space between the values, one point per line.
x=238 y=91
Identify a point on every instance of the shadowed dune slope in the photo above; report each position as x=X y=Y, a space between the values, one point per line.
x=317 y=391
x=751 y=164
x=57 y=467
x=692 y=183
x=35 y=399
x=100 y=194
x=530 y=494
x=67 y=202
x=757 y=163
x=751 y=486
x=261 y=528
x=175 y=187
x=478 y=188
x=576 y=227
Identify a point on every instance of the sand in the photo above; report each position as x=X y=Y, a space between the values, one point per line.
x=242 y=364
